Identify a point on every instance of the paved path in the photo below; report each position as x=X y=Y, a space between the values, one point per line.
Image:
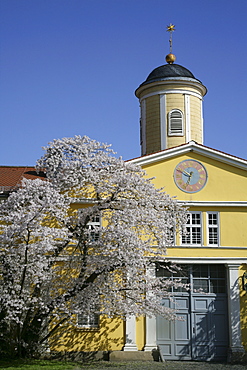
x=168 y=365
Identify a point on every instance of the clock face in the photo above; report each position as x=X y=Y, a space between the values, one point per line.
x=190 y=176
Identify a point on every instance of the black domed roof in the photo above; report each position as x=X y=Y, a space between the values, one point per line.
x=169 y=71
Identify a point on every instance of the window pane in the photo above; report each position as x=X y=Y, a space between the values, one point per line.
x=91 y=320
x=212 y=219
x=196 y=218
x=217 y=271
x=196 y=235
x=162 y=271
x=217 y=286
x=200 y=271
x=201 y=284
x=181 y=289
x=212 y=235
x=186 y=237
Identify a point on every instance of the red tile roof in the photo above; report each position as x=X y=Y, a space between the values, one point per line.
x=11 y=176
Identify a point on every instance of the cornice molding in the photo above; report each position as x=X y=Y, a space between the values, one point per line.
x=171 y=91
x=192 y=146
x=233 y=261
x=212 y=203
x=174 y=81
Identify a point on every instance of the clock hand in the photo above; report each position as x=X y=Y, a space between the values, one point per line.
x=190 y=174
x=185 y=172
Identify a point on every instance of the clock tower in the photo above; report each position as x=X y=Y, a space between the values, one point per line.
x=171 y=107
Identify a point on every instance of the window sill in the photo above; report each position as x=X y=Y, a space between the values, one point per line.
x=194 y=246
x=87 y=328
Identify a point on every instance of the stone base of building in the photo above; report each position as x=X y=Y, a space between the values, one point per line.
x=237 y=356
x=78 y=356
x=120 y=356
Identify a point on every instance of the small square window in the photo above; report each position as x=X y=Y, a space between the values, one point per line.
x=88 y=320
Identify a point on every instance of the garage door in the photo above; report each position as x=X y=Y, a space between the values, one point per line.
x=201 y=329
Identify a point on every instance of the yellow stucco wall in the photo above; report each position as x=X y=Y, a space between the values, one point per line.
x=175 y=101
x=140 y=333
x=153 y=124
x=110 y=336
x=195 y=119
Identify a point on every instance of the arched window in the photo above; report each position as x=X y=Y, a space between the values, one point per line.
x=175 y=123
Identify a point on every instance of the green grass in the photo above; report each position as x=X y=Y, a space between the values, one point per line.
x=37 y=365
x=104 y=365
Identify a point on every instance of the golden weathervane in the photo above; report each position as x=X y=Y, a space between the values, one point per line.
x=170 y=58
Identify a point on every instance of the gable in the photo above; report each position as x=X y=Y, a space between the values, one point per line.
x=225 y=182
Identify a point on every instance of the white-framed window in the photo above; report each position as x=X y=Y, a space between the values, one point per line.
x=193 y=235
x=88 y=320
x=175 y=123
x=171 y=236
x=213 y=228
x=93 y=226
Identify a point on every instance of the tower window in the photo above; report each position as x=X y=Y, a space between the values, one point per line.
x=175 y=123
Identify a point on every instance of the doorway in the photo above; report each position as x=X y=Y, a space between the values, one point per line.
x=201 y=330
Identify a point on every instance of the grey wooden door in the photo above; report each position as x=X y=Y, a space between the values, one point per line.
x=174 y=337
x=201 y=331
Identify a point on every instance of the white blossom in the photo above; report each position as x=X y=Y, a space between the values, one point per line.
x=51 y=266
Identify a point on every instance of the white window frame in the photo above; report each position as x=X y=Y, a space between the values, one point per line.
x=190 y=226
x=171 y=131
x=172 y=236
x=95 y=222
x=214 y=226
x=88 y=321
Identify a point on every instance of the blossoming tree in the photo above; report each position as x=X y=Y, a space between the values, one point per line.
x=55 y=261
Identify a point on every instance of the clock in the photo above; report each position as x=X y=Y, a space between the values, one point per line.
x=190 y=176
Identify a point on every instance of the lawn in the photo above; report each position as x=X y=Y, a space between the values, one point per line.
x=37 y=365
x=104 y=365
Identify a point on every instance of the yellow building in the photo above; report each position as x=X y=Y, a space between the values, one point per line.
x=212 y=254
x=213 y=185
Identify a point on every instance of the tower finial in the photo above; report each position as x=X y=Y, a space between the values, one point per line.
x=170 y=58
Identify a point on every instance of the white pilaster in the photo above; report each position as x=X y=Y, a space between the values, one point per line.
x=143 y=127
x=150 y=321
x=130 y=344
x=163 y=128
x=187 y=117
x=150 y=334
x=202 y=122
x=234 y=309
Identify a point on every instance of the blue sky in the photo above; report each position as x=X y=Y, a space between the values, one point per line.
x=70 y=67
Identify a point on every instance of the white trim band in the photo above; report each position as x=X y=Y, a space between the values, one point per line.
x=162 y=92
x=212 y=203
